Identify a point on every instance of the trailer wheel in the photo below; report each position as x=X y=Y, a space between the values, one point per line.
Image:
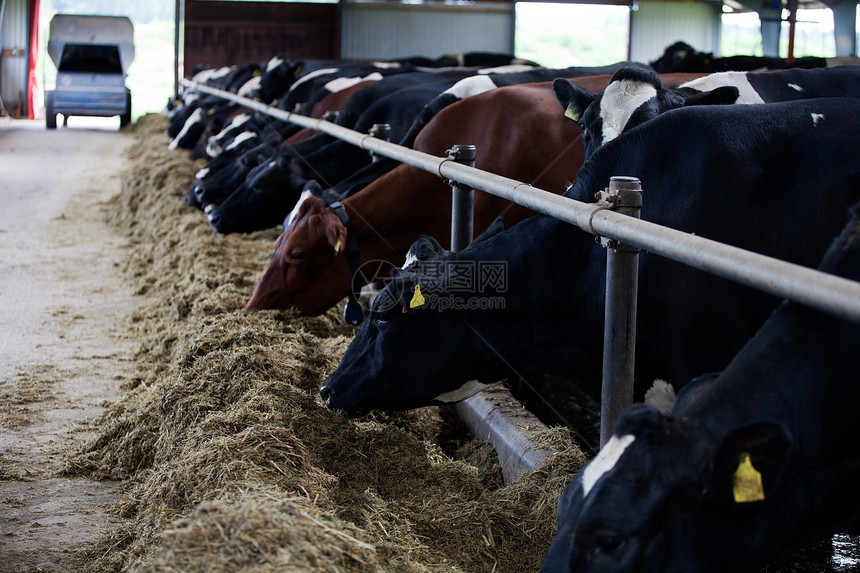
x=125 y=118
x=50 y=114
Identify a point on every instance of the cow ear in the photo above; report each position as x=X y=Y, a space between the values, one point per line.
x=405 y=291
x=312 y=205
x=692 y=391
x=426 y=248
x=313 y=187
x=334 y=230
x=723 y=95
x=573 y=99
x=749 y=463
x=494 y=229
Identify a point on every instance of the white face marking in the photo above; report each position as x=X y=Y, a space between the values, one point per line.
x=311 y=76
x=291 y=218
x=274 y=63
x=746 y=93
x=213 y=74
x=213 y=147
x=816 y=118
x=191 y=98
x=241 y=138
x=795 y=87
x=341 y=84
x=249 y=86
x=411 y=259
x=661 y=396
x=202 y=173
x=509 y=69
x=619 y=101
x=467 y=390
x=196 y=117
x=387 y=65
x=605 y=461
x=472 y=85
x=238 y=121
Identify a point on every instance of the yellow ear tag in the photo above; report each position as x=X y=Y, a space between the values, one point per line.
x=746 y=483
x=337 y=246
x=417 y=298
x=572 y=113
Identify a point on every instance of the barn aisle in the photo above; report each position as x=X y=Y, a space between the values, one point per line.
x=63 y=317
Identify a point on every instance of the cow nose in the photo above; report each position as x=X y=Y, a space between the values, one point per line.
x=325 y=393
x=199 y=190
x=214 y=219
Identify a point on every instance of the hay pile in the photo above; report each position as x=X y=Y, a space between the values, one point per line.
x=230 y=460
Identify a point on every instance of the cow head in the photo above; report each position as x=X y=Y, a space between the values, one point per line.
x=277 y=77
x=259 y=203
x=309 y=270
x=664 y=495
x=391 y=363
x=680 y=57
x=634 y=95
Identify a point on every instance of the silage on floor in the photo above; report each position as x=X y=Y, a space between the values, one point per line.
x=230 y=460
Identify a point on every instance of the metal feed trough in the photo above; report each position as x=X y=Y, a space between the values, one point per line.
x=92 y=55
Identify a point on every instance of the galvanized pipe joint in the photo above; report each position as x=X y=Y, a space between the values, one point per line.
x=462 y=199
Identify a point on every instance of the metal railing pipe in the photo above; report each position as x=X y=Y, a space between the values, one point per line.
x=832 y=294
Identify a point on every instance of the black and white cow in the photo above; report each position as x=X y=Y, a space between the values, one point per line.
x=481 y=82
x=225 y=173
x=407 y=110
x=773 y=179
x=750 y=465
x=636 y=95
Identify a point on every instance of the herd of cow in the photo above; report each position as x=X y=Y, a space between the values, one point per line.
x=755 y=458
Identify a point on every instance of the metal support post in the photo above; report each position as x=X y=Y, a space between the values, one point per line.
x=380 y=131
x=462 y=200
x=622 y=284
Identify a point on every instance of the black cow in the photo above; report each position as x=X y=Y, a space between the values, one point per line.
x=751 y=464
x=636 y=95
x=682 y=57
x=262 y=201
x=775 y=179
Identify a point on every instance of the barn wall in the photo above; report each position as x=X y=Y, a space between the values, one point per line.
x=13 y=55
x=228 y=33
x=371 y=30
x=656 y=25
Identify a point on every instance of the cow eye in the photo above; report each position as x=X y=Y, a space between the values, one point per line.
x=607 y=542
x=297 y=255
x=382 y=319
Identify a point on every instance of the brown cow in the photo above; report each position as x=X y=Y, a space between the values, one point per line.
x=519 y=133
